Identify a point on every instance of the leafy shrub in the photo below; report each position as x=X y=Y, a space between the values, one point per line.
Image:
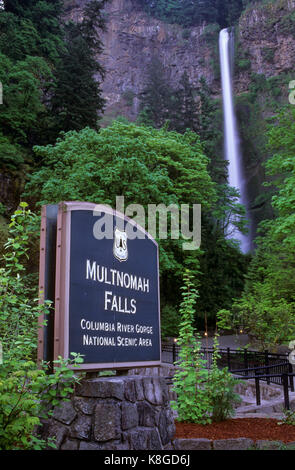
x=170 y=320
x=269 y=320
x=27 y=393
x=268 y=54
x=128 y=96
x=244 y=64
x=210 y=33
x=203 y=395
x=221 y=385
x=3 y=235
x=287 y=24
x=288 y=418
x=190 y=378
x=10 y=154
x=146 y=165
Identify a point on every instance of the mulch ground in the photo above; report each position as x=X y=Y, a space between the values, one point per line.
x=253 y=428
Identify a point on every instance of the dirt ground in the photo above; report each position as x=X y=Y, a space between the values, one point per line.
x=253 y=428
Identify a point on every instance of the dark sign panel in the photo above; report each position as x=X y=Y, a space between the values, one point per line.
x=107 y=289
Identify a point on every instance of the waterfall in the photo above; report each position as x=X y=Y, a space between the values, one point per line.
x=231 y=135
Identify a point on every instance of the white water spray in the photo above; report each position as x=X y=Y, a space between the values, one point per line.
x=232 y=147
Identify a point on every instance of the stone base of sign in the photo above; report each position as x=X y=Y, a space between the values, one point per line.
x=114 y=413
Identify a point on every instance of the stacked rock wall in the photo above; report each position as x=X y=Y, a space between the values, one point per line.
x=114 y=413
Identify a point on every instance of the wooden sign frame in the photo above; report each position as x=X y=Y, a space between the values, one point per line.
x=62 y=285
x=47 y=266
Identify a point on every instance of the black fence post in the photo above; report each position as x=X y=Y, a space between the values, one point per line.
x=286 y=391
x=228 y=358
x=267 y=364
x=291 y=378
x=173 y=352
x=257 y=387
x=209 y=359
x=246 y=361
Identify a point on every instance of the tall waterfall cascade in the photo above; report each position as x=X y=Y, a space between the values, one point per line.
x=231 y=135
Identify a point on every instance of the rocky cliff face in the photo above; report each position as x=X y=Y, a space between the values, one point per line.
x=266 y=35
x=132 y=39
x=264 y=67
x=265 y=46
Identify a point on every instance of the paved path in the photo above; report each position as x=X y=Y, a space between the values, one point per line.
x=229 y=341
x=238 y=341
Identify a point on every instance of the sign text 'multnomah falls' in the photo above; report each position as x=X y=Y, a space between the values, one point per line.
x=113 y=277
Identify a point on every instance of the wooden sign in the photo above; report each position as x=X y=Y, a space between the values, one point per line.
x=106 y=289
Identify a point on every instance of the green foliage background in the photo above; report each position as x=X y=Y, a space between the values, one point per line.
x=173 y=154
x=47 y=71
x=195 y=12
x=145 y=165
x=203 y=395
x=28 y=393
x=266 y=308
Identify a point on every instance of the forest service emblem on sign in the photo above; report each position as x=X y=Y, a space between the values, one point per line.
x=120 y=245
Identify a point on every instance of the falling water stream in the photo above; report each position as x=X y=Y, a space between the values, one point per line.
x=231 y=135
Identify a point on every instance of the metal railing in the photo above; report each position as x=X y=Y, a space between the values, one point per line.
x=246 y=364
x=286 y=380
x=231 y=358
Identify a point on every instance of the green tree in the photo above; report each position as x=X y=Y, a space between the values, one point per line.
x=49 y=72
x=203 y=394
x=27 y=393
x=195 y=12
x=191 y=376
x=18 y=37
x=122 y=159
x=11 y=155
x=31 y=40
x=22 y=98
x=77 y=99
x=159 y=102
x=18 y=7
x=223 y=270
x=186 y=116
x=36 y=23
x=267 y=307
x=194 y=109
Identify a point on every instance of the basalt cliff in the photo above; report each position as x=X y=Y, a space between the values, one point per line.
x=265 y=35
x=263 y=66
